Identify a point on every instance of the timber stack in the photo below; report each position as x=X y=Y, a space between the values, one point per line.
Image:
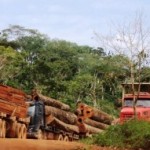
x=12 y=101
x=20 y=117
x=58 y=114
x=88 y=121
x=91 y=120
x=13 y=112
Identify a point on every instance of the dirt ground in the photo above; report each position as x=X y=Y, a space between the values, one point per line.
x=18 y=144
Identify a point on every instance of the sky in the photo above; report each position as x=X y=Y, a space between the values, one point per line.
x=71 y=20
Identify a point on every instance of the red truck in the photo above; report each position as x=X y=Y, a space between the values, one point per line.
x=142 y=105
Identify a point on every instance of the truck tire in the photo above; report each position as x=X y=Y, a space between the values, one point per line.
x=40 y=135
x=23 y=131
x=66 y=138
x=11 y=132
x=59 y=137
x=18 y=131
x=44 y=135
x=3 y=129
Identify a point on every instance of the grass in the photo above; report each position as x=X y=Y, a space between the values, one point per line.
x=133 y=134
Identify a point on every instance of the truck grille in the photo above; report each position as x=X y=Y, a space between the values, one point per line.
x=126 y=117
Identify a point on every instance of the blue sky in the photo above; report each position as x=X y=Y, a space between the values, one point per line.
x=71 y=20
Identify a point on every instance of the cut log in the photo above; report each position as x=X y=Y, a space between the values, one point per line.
x=65 y=116
x=92 y=130
x=93 y=113
x=101 y=116
x=52 y=102
x=84 y=110
x=93 y=123
x=96 y=124
x=84 y=128
x=80 y=109
x=55 y=122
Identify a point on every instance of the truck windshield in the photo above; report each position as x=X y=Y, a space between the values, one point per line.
x=31 y=111
x=140 y=102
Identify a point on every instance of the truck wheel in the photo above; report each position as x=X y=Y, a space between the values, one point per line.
x=23 y=131
x=40 y=135
x=18 y=131
x=59 y=137
x=3 y=129
x=66 y=138
x=11 y=132
x=44 y=135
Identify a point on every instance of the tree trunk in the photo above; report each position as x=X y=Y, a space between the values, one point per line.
x=52 y=102
x=96 y=124
x=55 y=122
x=92 y=130
x=101 y=116
x=84 y=128
x=86 y=111
x=62 y=115
x=92 y=123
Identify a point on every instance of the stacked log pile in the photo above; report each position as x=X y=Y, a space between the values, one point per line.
x=53 y=121
x=52 y=102
x=66 y=116
x=58 y=114
x=86 y=120
x=12 y=101
x=91 y=120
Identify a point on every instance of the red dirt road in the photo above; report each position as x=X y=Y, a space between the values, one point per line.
x=18 y=144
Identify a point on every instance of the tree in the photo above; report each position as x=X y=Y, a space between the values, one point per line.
x=133 y=41
x=9 y=63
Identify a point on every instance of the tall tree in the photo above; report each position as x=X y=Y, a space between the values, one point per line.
x=132 y=40
x=10 y=64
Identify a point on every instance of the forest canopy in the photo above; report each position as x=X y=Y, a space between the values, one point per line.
x=62 y=69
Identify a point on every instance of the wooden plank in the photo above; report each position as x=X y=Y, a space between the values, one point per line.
x=13 y=95
x=18 y=99
x=11 y=90
x=13 y=109
x=13 y=98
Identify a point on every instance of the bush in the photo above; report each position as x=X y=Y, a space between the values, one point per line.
x=108 y=107
x=110 y=137
x=133 y=134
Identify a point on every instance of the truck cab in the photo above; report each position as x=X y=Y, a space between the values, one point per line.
x=37 y=122
x=142 y=104
x=39 y=128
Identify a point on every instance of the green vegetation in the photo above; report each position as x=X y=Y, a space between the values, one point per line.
x=61 y=69
x=133 y=134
